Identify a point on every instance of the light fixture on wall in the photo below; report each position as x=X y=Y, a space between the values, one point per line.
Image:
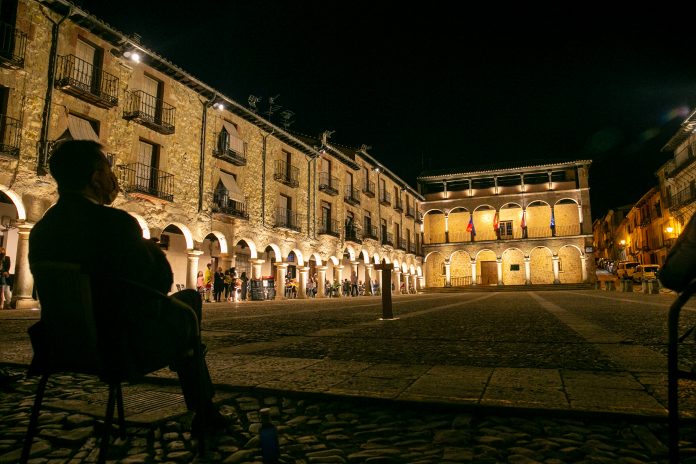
x=8 y=223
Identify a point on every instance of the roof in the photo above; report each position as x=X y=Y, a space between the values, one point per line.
x=687 y=128
x=511 y=167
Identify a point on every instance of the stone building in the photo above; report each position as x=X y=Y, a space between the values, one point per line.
x=677 y=177
x=604 y=229
x=211 y=179
x=517 y=224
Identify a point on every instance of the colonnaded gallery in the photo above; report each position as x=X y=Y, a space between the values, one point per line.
x=216 y=182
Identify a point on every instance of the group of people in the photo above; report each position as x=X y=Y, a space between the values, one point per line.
x=348 y=288
x=213 y=285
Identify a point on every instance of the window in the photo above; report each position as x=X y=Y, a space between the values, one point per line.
x=397 y=232
x=505 y=228
x=658 y=209
x=148 y=161
x=325 y=216
x=151 y=103
x=367 y=222
x=349 y=183
x=83 y=70
x=325 y=165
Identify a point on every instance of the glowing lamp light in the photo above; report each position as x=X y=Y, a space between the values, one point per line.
x=219 y=106
x=622 y=242
x=133 y=56
x=669 y=230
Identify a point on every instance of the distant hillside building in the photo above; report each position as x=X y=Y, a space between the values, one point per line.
x=519 y=224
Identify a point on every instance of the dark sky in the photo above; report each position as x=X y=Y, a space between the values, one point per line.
x=442 y=84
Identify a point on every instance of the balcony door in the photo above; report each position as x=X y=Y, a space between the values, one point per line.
x=145 y=180
x=326 y=216
x=149 y=104
x=284 y=215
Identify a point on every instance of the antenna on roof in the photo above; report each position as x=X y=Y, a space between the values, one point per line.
x=364 y=147
x=287 y=116
x=325 y=136
x=253 y=100
x=272 y=107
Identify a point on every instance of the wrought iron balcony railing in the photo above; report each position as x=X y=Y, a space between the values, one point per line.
x=10 y=136
x=351 y=234
x=398 y=205
x=410 y=211
x=402 y=245
x=230 y=148
x=286 y=174
x=370 y=232
x=368 y=189
x=329 y=227
x=385 y=198
x=13 y=46
x=412 y=248
x=149 y=111
x=287 y=219
x=141 y=178
x=387 y=238
x=223 y=204
x=351 y=195
x=682 y=198
x=328 y=183
x=83 y=80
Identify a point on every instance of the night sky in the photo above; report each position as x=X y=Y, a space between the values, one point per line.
x=449 y=86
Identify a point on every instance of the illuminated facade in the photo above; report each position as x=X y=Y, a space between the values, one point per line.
x=512 y=225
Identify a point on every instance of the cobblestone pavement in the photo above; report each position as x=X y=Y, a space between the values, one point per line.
x=553 y=368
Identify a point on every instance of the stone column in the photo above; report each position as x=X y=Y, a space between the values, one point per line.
x=192 y=267
x=281 y=271
x=368 y=279
x=256 y=268
x=421 y=282
x=448 y=274
x=321 y=277
x=407 y=281
x=354 y=267
x=556 y=279
x=379 y=280
x=499 y=267
x=339 y=275
x=583 y=268
x=527 y=270
x=396 y=278
x=301 y=291
x=473 y=272
x=24 y=281
x=580 y=216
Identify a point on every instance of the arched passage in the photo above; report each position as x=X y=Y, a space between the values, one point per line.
x=434 y=226
x=457 y=221
x=486 y=268
x=434 y=270
x=569 y=265
x=513 y=267
x=541 y=263
x=176 y=240
x=142 y=223
x=460 y=268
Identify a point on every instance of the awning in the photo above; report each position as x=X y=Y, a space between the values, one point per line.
x=235 y=141
x=229 y=127
x=233 y=191
x=81 y=129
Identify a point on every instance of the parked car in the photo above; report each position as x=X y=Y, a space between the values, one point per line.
x=625 y=269
x=645 y=272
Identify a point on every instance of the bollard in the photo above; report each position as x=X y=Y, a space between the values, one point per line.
x=644 y=286
x=628 y=283
x=653 y=287
x=386 y=269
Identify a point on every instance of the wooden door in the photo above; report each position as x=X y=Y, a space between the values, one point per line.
x=489 y=273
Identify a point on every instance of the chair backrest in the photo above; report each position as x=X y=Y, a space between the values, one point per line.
x=68 y=317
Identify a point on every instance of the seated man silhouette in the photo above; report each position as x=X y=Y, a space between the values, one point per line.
x=680 y=266
x=108 y=244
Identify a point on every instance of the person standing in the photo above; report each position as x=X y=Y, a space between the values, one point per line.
x=208 y=281
x=218 y=284
x=5 y=294
x=245 y=281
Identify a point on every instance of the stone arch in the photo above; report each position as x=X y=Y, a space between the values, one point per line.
x=510 y=220
x=250 y=244
x=566 y=200
x=516 y=204
x=365 y=256
x=276 y=252
x=538 y=203
x=412 y=269
x=484 y=207
x=541 y=264
x=570 y=264
x=419 y=271
x=334 y=260
x=538 y=219
x=376 y=258
x=316 y=257
x=185 y=231
x=142 y=223
x=483 y=217
x=457 y=220
x=460 y=268
x=486 y=267
x=299 y=256
x=433 y=226
x=404 y=266
x=348 y=249
x=17 y=201
x=221 y=239
x=513 y=267
x=434 y=272
x=567 y=217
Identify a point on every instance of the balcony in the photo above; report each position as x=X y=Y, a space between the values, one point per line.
x=561 y=231
x=410 y=211
x=223 y=204
x=387 y=238
x=148 y=180
x=328 y=183
x=87 y=82
x=286 y=174
x=412 y=248
x=150 y=111
x=385 y=198
x=351 y=234
x=13 y=46
x=370 y=232
x=351 y=195
x=401 y=244
x=329 y=227
x=398 y=205
x=682 y=198
x=230 y=148
x=677 y=169
x=10 y=136
x=368 y=189
x=287 y=219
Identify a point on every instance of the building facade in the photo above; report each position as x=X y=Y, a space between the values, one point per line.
x=211 y=179
x=515 y=225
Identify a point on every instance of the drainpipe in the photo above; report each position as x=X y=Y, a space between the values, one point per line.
x=41 y=168
x=201 y=172
x=309 y=193
x=263 y=178
x=314 y=203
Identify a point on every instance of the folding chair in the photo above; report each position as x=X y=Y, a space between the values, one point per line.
x=71 y=339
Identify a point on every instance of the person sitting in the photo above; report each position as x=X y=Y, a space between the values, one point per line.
x=680 y=265
x=108 y=242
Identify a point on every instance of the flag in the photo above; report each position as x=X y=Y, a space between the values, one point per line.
x=553 y=220
x=470 y=227
x=523 y=224
x=495 y=221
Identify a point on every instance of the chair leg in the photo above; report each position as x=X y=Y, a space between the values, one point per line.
x=33 y=421
x=121 y=414
x=104 y=445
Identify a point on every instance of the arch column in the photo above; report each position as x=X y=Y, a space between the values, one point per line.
x=527 y=270
x=396 y=279
x=192 y=267
x=499 y=268
x=24 y=280
x=556 y=279
x=339 y=275
x=473 y=272
x=281 y=272
x=379 y=279
x=583 y=267
x=256 y=268
x=368 y=278
x=301 y=291
x=407 y=281
x=448 y=273
x=421 y=282
x=321 y=278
